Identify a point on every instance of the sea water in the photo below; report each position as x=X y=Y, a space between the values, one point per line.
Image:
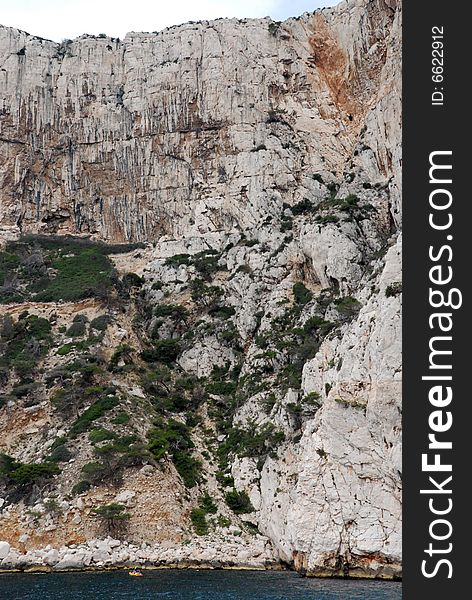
x=190 y=585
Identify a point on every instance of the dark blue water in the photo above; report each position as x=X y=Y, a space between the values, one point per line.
x=190 y=585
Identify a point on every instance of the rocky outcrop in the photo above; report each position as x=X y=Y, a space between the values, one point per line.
x=259 y=164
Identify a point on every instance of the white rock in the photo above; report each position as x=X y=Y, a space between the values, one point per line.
x=4 y=550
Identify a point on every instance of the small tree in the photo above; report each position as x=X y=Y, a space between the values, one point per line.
x=112 y=517
x=239 y=502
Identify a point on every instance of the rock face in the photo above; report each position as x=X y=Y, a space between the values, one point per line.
x=275 y=148
x=201 y=127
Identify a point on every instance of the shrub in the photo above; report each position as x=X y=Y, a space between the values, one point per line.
x=221 y=388
x=122 y=352
x=393 y=289
x=81 y=487
x=13 y=471
x=131 y=280
x=101 y=322
x=324 y=220
x=60 y=454
x=164 y=351
x=303 y=207
x=65 y=349
x=52 y=506
x=223 y=521
x=274 y=27
x=199 y=522
x=100 y=435
x=8 y=264
x=94 y=412
x=207 y=504
x=239 y=502
x=24 y=343
x=206 y=295
x=77 y=329
x=206 y=263
x=178 y=259
x=301 y=293
x=173 y=311
x=294 y=408
x=348 y=306
x=188 y=467
x=173 y=437
x=222 y=312
x=318 y=325
x=122 y=418
x=312 y=399
x=22 y=390
x=85 y=274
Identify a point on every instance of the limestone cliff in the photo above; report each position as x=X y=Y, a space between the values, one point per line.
x=250 y=330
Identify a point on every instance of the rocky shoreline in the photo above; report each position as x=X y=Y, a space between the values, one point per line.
x=112 y=554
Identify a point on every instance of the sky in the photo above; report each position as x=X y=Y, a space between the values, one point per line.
x=61 y=19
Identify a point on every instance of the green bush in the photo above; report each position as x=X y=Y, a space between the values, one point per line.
x=222 y=388
x=239 y=502
x=95 y=471
x=205 y=295
x=101 y=322
x=223 y=521
x=81 y=487
x=65 y=349
x=22 y=390
x=173 y=437
x=13 y=471
x=207 y=504
x=173 y=311
x=24 y=343
x=122 y=352
x=199 y=522
x=303 y=207
x=188 y=467
x=60 y=454
x=178 y=259
x=82 y=275
x=77 y=329
x=131 y=280
x=222 y=312
x=301 y=293
x=100 y=435
x=164 y=351
x=318 y=325
x=122 y=418
x=324 y=220
x=348 y=306
x=393 y=289
x=8 y=264
x=80 y=268
x=94 y=412
x=206 y=263
x=312 y=399
x=253 y=442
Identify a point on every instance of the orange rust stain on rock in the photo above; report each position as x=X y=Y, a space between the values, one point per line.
x=332 y=64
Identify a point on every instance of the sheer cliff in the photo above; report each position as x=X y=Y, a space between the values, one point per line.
x=200 y=280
